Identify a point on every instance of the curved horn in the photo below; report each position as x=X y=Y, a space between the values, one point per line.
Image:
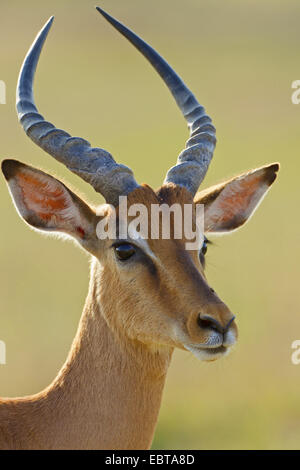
x=94 y=165
x=193 y=162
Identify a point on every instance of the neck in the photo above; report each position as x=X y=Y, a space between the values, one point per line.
x=108 y=393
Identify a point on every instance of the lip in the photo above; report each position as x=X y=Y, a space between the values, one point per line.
x=219 y=350
x=208 y=354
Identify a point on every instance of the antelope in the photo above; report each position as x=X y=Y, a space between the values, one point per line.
x=146 y=296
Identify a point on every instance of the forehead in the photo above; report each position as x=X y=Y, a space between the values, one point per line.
x=167 y=194
x=171 y=232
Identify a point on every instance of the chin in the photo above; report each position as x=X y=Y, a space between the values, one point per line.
x=208 y=354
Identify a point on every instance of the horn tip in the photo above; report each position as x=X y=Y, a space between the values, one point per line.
x=48 y=24
x=102 y=12
x=50 y=21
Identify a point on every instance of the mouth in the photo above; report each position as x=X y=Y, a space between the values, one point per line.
x=208 y=354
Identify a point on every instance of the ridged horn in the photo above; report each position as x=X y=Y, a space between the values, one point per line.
x=95 y=165
x=194 y=160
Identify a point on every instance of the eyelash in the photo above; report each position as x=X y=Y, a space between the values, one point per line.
x=203 y=250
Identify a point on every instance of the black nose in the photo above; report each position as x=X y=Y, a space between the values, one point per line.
x=207 y=321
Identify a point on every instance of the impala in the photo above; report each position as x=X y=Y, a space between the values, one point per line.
x=146 y=296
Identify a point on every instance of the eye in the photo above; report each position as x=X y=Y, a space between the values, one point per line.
x=204 y=246
x=124 y=251
x=203 y=251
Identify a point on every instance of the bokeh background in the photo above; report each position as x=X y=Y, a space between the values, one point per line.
x=240 y=59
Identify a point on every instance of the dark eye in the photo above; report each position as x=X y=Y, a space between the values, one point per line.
x=124 y=251
x=204 y=246
x=203 y=251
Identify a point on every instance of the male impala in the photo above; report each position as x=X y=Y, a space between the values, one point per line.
x=146 y=296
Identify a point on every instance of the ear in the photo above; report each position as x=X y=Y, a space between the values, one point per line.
x=47 y=204
x=229 y=205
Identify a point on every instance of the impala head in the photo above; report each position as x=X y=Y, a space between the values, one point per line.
x=151 y=289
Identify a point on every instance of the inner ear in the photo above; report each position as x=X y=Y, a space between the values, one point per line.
x=46 y=203
x=229 y=205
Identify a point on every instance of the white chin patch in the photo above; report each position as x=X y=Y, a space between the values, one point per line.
x=207 y=354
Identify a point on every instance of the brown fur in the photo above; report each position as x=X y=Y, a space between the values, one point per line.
x=108 y=393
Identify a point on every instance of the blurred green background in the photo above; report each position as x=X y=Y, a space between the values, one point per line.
x=240 y=59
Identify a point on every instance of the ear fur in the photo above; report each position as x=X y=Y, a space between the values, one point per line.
x=47 y=204
x=228 y=205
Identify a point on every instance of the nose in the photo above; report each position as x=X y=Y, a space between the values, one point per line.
x=206 y=321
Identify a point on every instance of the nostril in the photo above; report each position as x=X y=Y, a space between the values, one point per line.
x=205 y=322
x=229 y=323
